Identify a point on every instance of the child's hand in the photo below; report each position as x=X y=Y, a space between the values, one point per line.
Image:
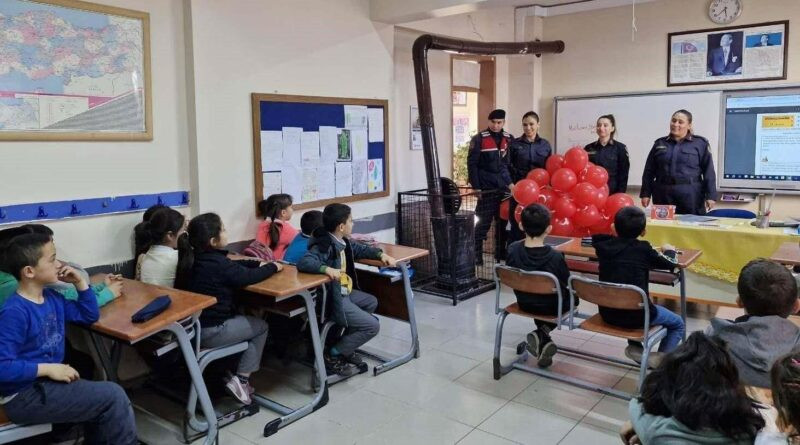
x=278 y=265
x=69 y=275
x=333 y=273
x=115 y=286
x=111 y=278
x=388 y=260
x=628 y=434
x=58 y=372
x=667 y=247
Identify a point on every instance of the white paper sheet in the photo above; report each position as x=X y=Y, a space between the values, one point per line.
x=359 y=144
x=375 y=175
x=291 y=147
x=326 y=180
x=375 y=117
x=328 y=143
x=309 y=147
x=360 y=177
x=344 y=179
x=271 y=151
x=271 y=183
x=355 y=116
x=310 y=186
x=292 y=182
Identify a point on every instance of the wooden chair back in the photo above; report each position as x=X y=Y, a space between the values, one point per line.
x=524 y=281
x=611 y=295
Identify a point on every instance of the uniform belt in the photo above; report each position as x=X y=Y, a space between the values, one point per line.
x=681 y=181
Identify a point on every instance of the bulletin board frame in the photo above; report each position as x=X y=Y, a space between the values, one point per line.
x=258 y=98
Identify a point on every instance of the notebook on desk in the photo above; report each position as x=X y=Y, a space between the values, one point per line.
x=555 y=241
x=695 y=218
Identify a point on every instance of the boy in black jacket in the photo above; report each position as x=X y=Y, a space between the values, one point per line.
x=331 y=252
x=531 y=254
x=625 y=259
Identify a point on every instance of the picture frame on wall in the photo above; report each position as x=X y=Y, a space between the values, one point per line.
x=83 y=76
x=746 y=53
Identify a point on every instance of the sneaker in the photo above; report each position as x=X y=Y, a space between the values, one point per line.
x=250 y=389
x=546 y=355
x=533 y=345
x=634 y=352
x=238 y=390
x=353 y=359
x=338 y=366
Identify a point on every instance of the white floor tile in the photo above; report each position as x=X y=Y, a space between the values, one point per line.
x=527 y=425
x=406 y=385
x=464 y=405
x=584 y=433
x=442 y=364
x=478 y=437
x=481 y=379
x=418 y=428
x=364 y=411
x=559 y=398
x=609 y=414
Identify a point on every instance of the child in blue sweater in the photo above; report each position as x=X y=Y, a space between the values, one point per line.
x=35 y=387
x=309 y=222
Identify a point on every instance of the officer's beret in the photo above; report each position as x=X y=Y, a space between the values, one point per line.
x=497 y=114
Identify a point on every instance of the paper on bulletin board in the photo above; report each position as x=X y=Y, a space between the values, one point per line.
x=271 y=151
x=355 y=116
x=328 y=143
x=359 y=144
x=375 y=117
x=271 y=183
x=360 y=177
x=326 y=180
x=344 y=179
x=310 y=186
x=375 y=175
x=343 y=145
x=292 y=182
x=309 y=148
x=291 y=146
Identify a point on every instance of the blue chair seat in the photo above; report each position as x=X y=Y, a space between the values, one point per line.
x=732 y=213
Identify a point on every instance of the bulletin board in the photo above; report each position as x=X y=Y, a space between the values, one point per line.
x=320 y=150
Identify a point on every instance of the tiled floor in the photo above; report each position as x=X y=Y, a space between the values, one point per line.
x=448 y=395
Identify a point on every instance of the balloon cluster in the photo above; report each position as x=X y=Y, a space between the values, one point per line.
x=575 y=191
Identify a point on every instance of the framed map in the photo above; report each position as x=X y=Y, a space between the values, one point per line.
x=72 y=70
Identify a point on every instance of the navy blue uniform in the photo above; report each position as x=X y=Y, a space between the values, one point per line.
x=526 y=156
x=614 y=158
x=681 y=174
x=487 y=164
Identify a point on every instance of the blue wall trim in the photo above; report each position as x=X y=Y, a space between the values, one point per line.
x=78 y=208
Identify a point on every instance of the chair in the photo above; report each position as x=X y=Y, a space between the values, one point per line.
x=732 y=213
x=617 y=296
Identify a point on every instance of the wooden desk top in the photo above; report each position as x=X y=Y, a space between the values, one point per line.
x=400 y=253
x=788 y=253
x=115 y=317
x=288 y=282
x=685 y=258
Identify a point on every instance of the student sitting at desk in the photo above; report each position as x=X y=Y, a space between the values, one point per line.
x=213 y=273
x=768 y=293
x=276 y=232
x=330 y=251
x=533 y=255
x=625 y=259
x=309 y=222
x=164 y=245
x=35 y=387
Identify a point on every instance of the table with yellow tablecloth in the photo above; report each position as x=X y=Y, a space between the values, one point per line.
x=726 y=247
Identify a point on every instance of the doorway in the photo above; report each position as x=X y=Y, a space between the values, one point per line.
x=473 y=92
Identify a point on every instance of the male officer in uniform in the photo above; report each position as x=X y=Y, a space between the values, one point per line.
x=487 y=164
x=679 y=170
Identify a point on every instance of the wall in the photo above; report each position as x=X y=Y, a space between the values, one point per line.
x=53 y=171
x=308 y=47
x=615 y=64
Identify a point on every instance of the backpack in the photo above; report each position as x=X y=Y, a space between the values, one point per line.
x=257 y=249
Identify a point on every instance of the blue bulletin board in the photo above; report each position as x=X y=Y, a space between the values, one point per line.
x=320 y=150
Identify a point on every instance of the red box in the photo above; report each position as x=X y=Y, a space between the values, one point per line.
x=662 y=211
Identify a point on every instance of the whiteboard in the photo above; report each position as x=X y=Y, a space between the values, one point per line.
x=641 y=119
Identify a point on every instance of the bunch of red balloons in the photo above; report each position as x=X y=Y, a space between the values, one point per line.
x=575 y=191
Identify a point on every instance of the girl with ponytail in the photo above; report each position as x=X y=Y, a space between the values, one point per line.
x=161 y=246
x=276 y=232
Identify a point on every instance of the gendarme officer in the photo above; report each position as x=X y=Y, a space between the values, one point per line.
x=679 y=169
x=487 y=165
x=526 y=153
x=610 y=154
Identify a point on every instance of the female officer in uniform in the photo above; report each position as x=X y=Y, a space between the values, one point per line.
x=679 y=169
x=527 y=152
x=610 y=154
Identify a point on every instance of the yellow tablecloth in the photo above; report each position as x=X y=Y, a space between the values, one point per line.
x=726 y=249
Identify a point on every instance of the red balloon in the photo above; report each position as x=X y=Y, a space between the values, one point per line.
x=616 y=202
x=505 y=207
x=598 y=176
x=584 y=194
x=600 y=198
x=553 y=163
x=562 y=227
x=602 y=227
x=526 y=191
x=604 y=188
x=576 y=159
x=581 y=232
x=518 y=213
x=582 y=174
x=564 y=180
x=540 y=175
x=547 y=197
x=563 y=207
x=587 y=216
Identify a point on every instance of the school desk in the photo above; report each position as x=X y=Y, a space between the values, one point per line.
x=394 y=301
x=115 y=323
x=285 y=285
x=788 y=253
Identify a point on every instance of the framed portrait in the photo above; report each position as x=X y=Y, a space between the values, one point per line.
x=81 y=72
x=747 y=53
